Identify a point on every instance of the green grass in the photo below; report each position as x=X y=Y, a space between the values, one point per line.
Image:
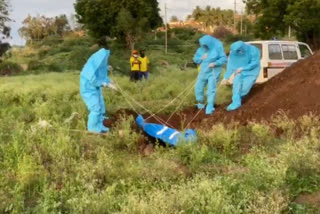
x=54 y=170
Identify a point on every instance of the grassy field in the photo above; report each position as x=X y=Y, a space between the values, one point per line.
x=46 y=168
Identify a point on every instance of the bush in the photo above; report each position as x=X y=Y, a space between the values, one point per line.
x=51 y=41
x=55 y=67
x=79 y=56
x=221 y=32
x=9 y=68
x=182 y=33
x=36 y=65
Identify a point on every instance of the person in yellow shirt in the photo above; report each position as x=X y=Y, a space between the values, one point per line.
x=144 y=69
x=135 y=65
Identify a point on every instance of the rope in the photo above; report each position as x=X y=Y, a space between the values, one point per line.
x=179 y=105
x=214 y=74
x=130 y=104
x=126 y=98
x=192 y=84
x=199 y=111
x=150 y=112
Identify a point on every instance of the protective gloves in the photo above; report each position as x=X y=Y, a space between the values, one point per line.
x=239 y=70
x=110 y=85
x=224 y=82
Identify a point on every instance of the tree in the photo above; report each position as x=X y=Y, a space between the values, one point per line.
x=270 y=15
x=197 y=13
x=304 y=18
x=247 y=26
x=174 y=19
x=4 y=19
x=40 y=27
x=130 y=28
x=74 y=24
x=62 y=24
x=4 y=47
x=102 y=18
x=212 y=17
x=275 y=16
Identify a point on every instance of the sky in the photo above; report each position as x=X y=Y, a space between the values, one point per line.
x=20 y=9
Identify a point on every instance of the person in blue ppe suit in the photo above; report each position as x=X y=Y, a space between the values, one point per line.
x=168 y=135
x=244 y=62
x=211 y=57
x=93 y=77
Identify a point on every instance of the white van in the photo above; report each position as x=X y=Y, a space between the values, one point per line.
x=278 y=55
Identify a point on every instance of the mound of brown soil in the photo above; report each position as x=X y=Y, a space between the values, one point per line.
x=296 y=91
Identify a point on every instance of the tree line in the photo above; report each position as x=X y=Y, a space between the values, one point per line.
x=130 y=20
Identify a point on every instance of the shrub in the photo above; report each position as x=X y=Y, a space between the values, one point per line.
x=124 y=136
x=182 y=33
x=222 y=32
x=224 y=140
x=51 y=41
x=9 y=68
x=36 y=65
x=79 y=56
x=55 y=67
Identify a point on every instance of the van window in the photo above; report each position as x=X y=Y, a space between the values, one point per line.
x=274 y=51
x=259 y=46
x=289 y=52
x=304 y=50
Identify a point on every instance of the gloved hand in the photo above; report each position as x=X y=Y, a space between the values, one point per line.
x=204 y=57
x=212 y=65
x=112 y=86
x=239 y=70
x=105 y=84
x=224 y=82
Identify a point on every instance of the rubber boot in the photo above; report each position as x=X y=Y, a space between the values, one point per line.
x=200 y=106
x=104 y=129
x=209 y=109
x=233 y=106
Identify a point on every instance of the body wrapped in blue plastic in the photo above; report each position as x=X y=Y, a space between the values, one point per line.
x=166 y=134
x=94 y=74
x=246 y=57
x=213 y=48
